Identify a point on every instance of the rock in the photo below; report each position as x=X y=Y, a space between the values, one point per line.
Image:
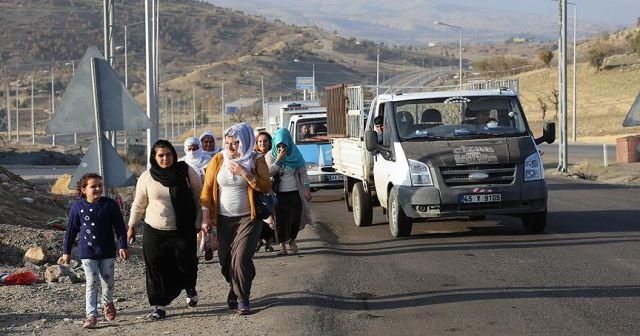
x=28 y=199
x=56 y=272
x=4 y=178
x=35 y=255
x=61 y=186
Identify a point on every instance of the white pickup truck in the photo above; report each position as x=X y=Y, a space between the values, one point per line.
x=464 y=153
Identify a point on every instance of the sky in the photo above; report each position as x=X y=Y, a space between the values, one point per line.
x=616 y=12
x=609 y=12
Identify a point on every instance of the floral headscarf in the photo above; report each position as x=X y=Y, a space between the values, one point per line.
x=243 y=133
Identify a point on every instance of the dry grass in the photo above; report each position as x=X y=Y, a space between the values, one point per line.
x=603 y=100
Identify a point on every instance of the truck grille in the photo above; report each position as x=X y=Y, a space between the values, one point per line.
x=459 y=176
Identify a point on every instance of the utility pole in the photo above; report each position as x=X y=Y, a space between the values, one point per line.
x=53 y=106
x=562 y=90
x=8 y=86
x=222 y=111
x=17 y=112
x=151 y=36
x=33 y=122
x=193 y=104
x=378 y=71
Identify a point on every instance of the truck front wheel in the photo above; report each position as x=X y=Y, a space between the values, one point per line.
x=399 y=224
x=535 y=222
x=362 y=208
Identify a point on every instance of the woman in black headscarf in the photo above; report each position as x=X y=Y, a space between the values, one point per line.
x=167 y=196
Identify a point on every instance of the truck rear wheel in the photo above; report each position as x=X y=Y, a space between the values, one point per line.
x=347 y=195
x=362 y=209
x=399 y=224
x=535 y=222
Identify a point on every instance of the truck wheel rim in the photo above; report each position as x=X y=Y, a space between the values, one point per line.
x=356 y=206
x=394 y=213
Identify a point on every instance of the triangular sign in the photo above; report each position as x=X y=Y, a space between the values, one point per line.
x=633 y=117
x=120 y=111
x=117 y=174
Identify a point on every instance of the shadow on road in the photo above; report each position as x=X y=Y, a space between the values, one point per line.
x=371 y=302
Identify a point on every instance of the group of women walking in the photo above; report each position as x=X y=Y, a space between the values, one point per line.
x=214 y=191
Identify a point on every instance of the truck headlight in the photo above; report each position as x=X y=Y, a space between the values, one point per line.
x=419 y=172
x=533 y=168
x=312 y=166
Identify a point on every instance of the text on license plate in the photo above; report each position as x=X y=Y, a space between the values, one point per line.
x=481 y=198
x=336 y=177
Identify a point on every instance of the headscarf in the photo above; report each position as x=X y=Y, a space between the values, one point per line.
x=175 y=177
x=197 y=159
x=243 y=133
x=294 y=158
x=216 y=149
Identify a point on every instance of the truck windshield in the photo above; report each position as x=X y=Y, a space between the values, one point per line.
x=311 y=131
x=459 y=117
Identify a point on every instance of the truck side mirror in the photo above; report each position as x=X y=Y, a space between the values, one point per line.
x=371 y=141
x=548 y=133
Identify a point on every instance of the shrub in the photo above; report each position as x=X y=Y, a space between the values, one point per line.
x=545 y=56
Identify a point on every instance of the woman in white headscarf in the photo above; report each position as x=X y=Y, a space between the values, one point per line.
x=208 y=141
x=195 y=157
x=228 y=203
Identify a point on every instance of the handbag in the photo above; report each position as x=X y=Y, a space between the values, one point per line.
x=265 y=204
x=275 y=182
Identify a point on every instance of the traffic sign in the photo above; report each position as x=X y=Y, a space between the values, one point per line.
x=119 y=109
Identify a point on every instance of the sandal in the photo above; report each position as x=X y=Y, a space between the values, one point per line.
x=243 y=309
x=293 y=247
x=192 y=298
x=282 y=253
x=232 y=300
x=157 y=314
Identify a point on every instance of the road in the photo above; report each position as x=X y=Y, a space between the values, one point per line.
x=460 y=277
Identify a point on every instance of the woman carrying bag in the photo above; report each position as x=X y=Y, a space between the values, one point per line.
x=228 y=201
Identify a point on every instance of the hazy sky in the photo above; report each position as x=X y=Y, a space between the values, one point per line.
x=607 y=12
x=619 y=12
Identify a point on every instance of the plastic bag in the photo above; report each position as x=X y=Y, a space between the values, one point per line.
x=18 y=278
x=208 y=241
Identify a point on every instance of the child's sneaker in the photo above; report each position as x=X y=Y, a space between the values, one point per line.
x=109 y=311
x=90 y=322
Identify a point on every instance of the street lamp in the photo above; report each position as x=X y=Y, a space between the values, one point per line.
x=575 y=33
x=73 y=73
x=17 y=112
x=33 y=123
x=126 y=67
x=460 y=31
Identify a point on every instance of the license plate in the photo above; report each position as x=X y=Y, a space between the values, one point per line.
x=335 y=177
x=481 y=198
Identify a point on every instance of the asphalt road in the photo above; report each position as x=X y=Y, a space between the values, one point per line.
x=460 y=277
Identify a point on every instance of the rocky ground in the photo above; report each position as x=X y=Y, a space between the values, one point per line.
x=31 y=216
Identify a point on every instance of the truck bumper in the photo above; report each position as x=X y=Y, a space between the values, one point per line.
x=325 y=180
x=430 y=202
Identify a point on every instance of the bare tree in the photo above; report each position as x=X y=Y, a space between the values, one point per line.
x=543 y=107
x=555 y=101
